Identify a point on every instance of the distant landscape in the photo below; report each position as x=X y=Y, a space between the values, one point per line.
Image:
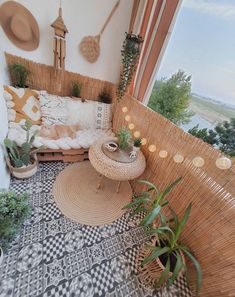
x=208 y=112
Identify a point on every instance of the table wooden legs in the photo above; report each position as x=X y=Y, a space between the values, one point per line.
x=118 y=187
x=99 y=183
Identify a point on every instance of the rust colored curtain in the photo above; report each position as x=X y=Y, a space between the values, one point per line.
x=158 y=17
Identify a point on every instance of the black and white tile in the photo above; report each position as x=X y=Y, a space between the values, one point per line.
x=54 y=256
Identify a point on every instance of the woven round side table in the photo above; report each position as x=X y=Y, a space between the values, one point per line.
x=113 y=169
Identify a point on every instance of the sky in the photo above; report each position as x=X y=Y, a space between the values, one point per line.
x=203 y=45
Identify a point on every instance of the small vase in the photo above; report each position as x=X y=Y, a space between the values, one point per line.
x=134 y=152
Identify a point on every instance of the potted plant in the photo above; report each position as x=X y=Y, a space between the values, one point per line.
x=167 y=254
x=130 y=55
x=124 y=138
x=22 y=161
x=76 y=90
x=105 y=97
x=14 y=209
x=150 y=201
x=19 y=74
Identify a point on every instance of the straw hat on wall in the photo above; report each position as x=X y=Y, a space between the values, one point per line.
x=19 y=25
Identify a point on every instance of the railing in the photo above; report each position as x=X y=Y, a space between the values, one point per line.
x=210 y=232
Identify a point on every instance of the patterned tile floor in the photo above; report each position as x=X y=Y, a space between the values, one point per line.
x=57 y=257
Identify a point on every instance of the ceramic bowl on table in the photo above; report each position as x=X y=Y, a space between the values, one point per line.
x=111 y=146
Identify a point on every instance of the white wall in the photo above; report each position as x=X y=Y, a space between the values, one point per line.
x=82 y=18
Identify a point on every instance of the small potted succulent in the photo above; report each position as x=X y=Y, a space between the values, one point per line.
x=105 y=97
x=22 y=160
x=124 y=138
x=136 y=147
x=76 y=91
x=19 y=74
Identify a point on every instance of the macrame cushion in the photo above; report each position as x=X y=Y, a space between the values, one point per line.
x=22 y=104
x=89 y=48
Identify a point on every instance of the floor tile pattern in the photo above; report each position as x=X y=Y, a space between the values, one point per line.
x=54 y=256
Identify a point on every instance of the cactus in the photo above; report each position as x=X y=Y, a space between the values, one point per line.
x=20 y=156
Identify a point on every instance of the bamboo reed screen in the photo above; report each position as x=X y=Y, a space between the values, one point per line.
x=210 y=232
x=58 y=82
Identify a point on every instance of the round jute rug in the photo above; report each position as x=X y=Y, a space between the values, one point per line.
x=75 y=194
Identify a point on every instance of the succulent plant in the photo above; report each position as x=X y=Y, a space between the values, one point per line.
x=19 y=74
x=76 y=89
x=124 y=138
x=137 y=142
x=105 y=97
x=20 y=156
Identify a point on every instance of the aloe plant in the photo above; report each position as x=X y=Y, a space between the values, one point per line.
x=150 y=201
x=169 y=233
x=20 y=156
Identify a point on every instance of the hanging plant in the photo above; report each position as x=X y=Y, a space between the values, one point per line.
x=130 y=54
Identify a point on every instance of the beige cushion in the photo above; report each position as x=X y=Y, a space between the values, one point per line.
x=64 y=110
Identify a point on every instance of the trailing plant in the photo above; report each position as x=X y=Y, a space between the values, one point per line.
x=20 y=156
x=14 y=209
x=150 y=201
x=76 y=89
x=19 y=74
x=124 y=138
x=137 y=142
x=130 y=52
x=170 y=250
x=105 y=97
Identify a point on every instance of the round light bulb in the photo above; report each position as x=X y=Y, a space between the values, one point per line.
x=137 y=134
x=152 y=148
x=143 y=141
x=163 y=154
x=198 y=161
x=178 y=158
x=127 y=118
x=131 y=126
x=223 y=163
x=124 y=109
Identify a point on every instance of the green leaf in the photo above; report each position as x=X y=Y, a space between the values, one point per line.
x=148 y=219
x=158 y=251
x=165 y=274
x=197 y=267
x=151 y=185
x=171 y=186
x=182 y=223
x=178 y=267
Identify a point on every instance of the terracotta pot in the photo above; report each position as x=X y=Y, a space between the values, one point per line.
x=23 y=172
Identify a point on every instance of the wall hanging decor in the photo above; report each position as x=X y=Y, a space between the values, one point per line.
x=19 y=25
x=59 y=41
x=90 y=45
x=130 y=55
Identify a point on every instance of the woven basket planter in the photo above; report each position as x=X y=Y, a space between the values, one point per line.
x=149 y=273
x=23 y=172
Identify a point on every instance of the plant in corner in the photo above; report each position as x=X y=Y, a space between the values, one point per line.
x=14 y=209
x=130 y=55
x=105 y=97
x=19 y=74
x=124 y=138
x=170 y=252
x=22 y=161
x=76 y=90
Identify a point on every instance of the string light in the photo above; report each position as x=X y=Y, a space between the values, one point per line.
x=143 y=141
x=152 y=148
x=223 y=163
x=198 y=161
x=178 y=158
x=131 y=126
x=124 y=109
x=127 y=118
x=137 y=134
x=163 y=154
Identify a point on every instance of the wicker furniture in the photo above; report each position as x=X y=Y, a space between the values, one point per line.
x=114 y=169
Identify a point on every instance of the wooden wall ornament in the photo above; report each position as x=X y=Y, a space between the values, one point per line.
x=59 y=41
x=90 y=45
